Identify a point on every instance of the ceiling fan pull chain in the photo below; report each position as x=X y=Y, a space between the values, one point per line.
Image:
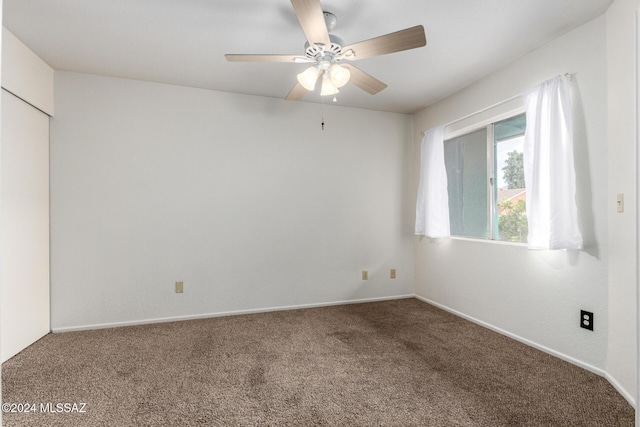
x=322 y=103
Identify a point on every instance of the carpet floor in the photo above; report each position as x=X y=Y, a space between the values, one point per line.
x=392 y=363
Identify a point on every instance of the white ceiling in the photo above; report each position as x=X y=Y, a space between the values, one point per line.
x=183 y=42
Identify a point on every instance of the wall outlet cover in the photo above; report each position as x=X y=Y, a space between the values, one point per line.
x=586 y=320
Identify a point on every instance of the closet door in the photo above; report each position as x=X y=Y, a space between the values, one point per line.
x=24 y=232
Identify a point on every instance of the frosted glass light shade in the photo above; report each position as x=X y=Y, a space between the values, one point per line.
x=308 y=78
x=339 y=75
x=327 y=87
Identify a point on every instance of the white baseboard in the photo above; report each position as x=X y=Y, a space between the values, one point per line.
x=621 y=390
x=540 y=347
x=222 y=314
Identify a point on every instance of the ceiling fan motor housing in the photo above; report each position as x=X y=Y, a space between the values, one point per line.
x=320 y=53
x=317 y=52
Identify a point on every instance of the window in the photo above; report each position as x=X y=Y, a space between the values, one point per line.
x=485 y=175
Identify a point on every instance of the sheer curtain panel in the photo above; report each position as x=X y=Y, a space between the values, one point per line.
x=549 y=167
x=432 y=208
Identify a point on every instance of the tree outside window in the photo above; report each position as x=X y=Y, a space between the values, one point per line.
x=512 y=214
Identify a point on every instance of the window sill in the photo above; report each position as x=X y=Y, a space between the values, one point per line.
x=495 y=242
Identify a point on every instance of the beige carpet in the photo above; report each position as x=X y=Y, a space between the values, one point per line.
x=395 y=363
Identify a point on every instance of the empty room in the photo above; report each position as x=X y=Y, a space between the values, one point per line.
x=319 y=212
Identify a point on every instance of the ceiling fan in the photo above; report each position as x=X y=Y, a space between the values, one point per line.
x=326 y=53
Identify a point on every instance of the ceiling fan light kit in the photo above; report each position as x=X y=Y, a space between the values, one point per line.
x=325 y=51
x=328 y=88
x=339 y=75
x=308 y=78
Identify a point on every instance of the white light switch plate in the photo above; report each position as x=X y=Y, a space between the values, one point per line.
x=620 y=202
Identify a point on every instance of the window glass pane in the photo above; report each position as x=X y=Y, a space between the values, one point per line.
x=510 y=195
x=509 y=128
x=466 y=164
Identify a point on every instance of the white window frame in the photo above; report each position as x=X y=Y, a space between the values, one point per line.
x=481 y=120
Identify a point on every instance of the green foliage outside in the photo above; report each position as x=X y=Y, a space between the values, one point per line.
x=512 y=223
x=513 y=171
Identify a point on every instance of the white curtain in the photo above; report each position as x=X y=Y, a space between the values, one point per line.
x=548 y=167
x=432 y=208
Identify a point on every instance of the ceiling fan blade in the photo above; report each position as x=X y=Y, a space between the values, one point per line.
x=266 y=58
x=296 y=93
x=406 y=39
x=311 y=17
x=363 y=80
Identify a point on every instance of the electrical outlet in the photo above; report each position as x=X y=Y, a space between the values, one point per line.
x=393 y=273
x=586 y=320
x=365 y=275
x=179 y=287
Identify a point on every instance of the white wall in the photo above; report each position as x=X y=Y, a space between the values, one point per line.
x=535 y=296
x=243 y=198
x=622 y=364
